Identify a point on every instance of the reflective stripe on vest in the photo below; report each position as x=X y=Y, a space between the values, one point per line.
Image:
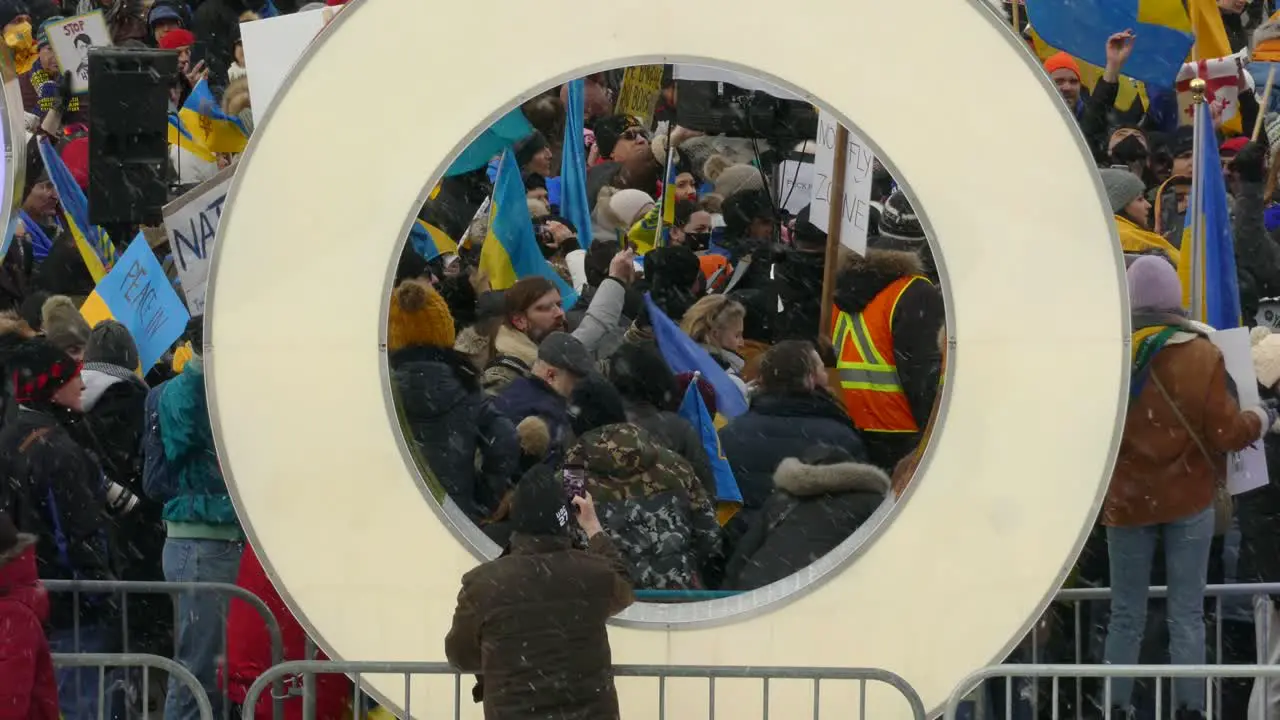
x=869 y=383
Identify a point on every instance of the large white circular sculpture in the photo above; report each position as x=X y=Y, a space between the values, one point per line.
x=1035 y=387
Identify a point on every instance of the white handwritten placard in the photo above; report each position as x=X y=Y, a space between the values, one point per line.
x=795 y=185
x=854 y=197
x=1246 y=469
x=191 y=223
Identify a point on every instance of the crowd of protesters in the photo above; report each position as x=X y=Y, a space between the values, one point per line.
x=557 y=429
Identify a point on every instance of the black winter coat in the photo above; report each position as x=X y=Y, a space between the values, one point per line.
x=777 y=427
x=54 y=491
x=815 y=508
x=451 y=420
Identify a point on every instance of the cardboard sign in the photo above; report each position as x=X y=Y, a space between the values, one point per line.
x=71 y=39
x=271 y=48
x=1246 y=469
x=641 y=88
x=191 y=224
x=795 y=185
x=854 y=197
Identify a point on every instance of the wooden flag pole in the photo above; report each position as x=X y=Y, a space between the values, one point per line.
x=1266 y=98
x=834 y=217
x=1014 y=14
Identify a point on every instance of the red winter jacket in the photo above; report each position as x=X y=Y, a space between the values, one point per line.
x=249 y=650
x=27 y=687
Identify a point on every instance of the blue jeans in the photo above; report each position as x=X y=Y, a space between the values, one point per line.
x=1186 y=557
x=78 y=691
x=200 y=618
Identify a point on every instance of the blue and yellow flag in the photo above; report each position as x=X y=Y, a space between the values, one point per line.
x=208 y=125
x=728 y=494
x=504 y=133
x=430 y=241
x=668 y=198
x=1215 y=265
x=94 y=244
x=510 y=249
x=575 y=206
x=684 y=355
x=181 y=138
x=1081 y=28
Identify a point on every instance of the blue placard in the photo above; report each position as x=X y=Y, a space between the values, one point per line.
x=141 y=298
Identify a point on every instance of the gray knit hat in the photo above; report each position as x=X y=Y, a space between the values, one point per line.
x=1123 y=187
x=111 y=343
x=63 y=324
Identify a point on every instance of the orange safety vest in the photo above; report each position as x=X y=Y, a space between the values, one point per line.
x=869 y=383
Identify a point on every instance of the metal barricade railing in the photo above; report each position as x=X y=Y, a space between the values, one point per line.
x=147 y=663
x=125 y=588
x=662 y=673
x=1107 y=673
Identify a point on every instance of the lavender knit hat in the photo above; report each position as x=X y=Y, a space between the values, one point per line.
x=1154 y=285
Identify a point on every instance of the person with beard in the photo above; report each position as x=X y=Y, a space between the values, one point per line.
x=450 y=418
x=533 y=311
x=56 y=493
x=795 y=412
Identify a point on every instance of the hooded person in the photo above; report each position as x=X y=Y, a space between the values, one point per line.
x=1125 y=195
x=451 y=419
x=642 y=491
x=532 y=623
x=819 y=500
x=57 y=494
x=896 y=310
x=28 y=686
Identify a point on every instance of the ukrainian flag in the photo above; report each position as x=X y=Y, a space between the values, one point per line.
x=208 y=125
x=510 y=249
x=1081 y=28
x=94 y=244
x=1211 y=262
x=509 y=129
x=668 y=198
x=1128 y=92
x=181 y=138
x=728 y=494
x=575 y=206
x=684 y=355
x=430 y=241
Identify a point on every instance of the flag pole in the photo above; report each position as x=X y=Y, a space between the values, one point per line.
x=834 y=217
x=662 y=201
x=1197 y=203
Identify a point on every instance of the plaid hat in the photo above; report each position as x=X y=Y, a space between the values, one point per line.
x=37 y=369
x=539 y=505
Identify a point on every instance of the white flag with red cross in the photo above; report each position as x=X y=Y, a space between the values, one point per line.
x=1222 y=87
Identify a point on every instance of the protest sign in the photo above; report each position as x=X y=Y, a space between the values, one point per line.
x=641 y=86
x=271 y=48
x=1246 y=469
x=70 y=40
x=191 y=223
x=854 y=197
x=137 y=294
x=795 y=185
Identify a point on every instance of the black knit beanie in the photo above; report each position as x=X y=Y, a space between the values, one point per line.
x=540 y=505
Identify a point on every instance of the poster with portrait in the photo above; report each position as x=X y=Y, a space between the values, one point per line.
x=71 y=39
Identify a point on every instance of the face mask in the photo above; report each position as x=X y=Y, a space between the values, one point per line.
x=698 y=241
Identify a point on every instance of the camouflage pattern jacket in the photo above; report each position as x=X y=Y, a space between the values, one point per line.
x=651 y=505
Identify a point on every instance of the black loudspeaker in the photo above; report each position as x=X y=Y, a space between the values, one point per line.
x=128 y=134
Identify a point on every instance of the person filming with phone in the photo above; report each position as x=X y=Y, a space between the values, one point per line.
x=531 y=623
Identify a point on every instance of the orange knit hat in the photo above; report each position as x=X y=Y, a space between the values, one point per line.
x=1062 y=61
x=419 y=316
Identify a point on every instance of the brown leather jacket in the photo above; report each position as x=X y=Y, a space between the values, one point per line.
x=532 y=624
x=1161 y=474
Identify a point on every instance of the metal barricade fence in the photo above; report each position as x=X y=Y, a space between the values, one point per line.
x=1107 y=673
x=125 y=588
x=662 y=673
x=146 y=663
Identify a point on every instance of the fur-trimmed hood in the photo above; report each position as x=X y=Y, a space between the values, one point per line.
x=800 y=480
x=862 y=278
x=512 y=342
x=24 y=541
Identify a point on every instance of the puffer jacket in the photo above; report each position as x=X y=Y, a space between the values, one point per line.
x=28 y=690
x=813 y=509
x=651 y=505
x=451 y=420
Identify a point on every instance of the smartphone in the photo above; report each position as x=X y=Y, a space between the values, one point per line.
x=199 y=54
x=575 y=482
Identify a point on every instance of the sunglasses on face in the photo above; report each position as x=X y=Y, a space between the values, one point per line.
x=635 y=134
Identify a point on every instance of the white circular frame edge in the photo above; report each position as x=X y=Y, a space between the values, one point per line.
x=1021 y=560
